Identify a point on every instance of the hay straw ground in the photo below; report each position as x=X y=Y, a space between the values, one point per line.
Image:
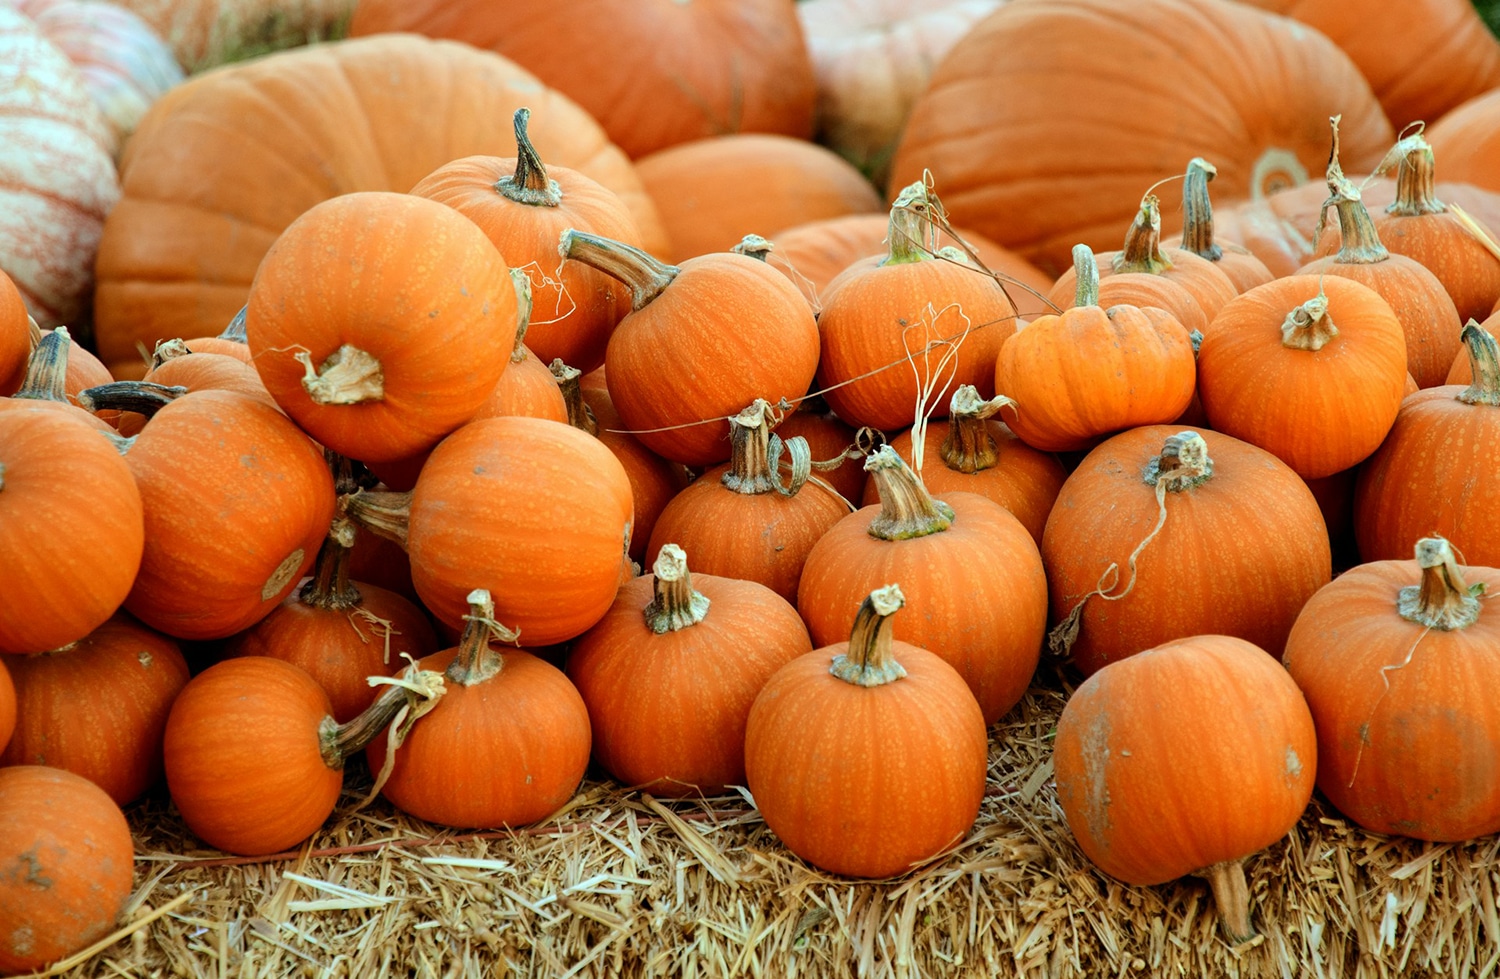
x=620 y=884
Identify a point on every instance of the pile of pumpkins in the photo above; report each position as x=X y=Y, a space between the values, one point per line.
x=419 y=411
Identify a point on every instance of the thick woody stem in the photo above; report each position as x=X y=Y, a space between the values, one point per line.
x=969 y=447
x=1142 y=251
x=1309 y=327
x=1198 y=212
x=754 y=246
x=869 y=661
x=476 y=661
x=143 y=397
x=1232 y=898
x=674 y=604
x=1443 y=600
x=580 y=415
x=382 y=513
x=906 y=508
x=1484 y=361
x=910 y=226
x=1086 y=270
x=530 y=183
x=646 y=276
x=1416 y=180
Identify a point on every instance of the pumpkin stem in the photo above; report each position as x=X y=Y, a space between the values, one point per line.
x=1416 y=180
x=1086 y=271
x=330 y=587
x=1232 y=897
x=413 y=689
x=969 y=447
x=869 y=661
x=1360 y=244
x=755 y=455
x=645 y=275
x=522 y=284
x=580 y=415
x=1142 y=251
x=754 y=246
x=1443 y=600
x=1484 y=361
x=911 y=225
x=349 y=376
x=168 y=350
x=476 y=661
x=47 y=368
x=1198 y=212
x=530 y=183
x=1308 y=327
x=235 y=331
x=143 y=397
x=1183 y=463
x=906 y=508
x=674 y=604
x=381 y=512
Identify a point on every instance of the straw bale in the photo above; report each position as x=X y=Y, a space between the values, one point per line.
x=623 y=884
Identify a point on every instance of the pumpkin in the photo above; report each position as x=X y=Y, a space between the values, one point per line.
x=72 y=848
x=58 y=169
x=536 y=512
x=1091 y=370
x=1311 y=368
x=689 y=70
x=7 y=705
x=1186 y=759
x=670 y=672
x=967 y=565
x=202 y=205
x=15 y=336
x=71 y=527
x=664 y=365
x=1001 y=122
x=976 y=453
x=254 y=759
x=506 y=745
x=1396 y=658
x=712 y=192
x=124 y=63
x=901 y=332
x=1465 y=138
x=175 y=364
x=379 y=365
x=873 y=765
x=97 y=707
x=54 y=371
x=1433 y=474
x=1241 y=265
x=872 y=58
x=237 y=501
x=527 y=386
x=1160 y=534
x=523 y=206
x=740 y=520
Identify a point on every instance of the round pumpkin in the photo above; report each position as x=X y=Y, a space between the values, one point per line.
x=15 y=336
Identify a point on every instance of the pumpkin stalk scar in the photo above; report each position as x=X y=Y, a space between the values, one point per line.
x=674 y=604
x=32 y=868
x=869 y=661
x=349 y=376
x=1308 y=327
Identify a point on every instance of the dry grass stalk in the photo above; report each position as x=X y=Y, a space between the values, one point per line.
x=625 y=885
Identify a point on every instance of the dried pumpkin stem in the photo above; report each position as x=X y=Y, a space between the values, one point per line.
x=1484 y=360
x=1308 y=327
x=674 y=604
x=1142 y=251
x=1232 y=898
x=339 y=741
x=383 y=513
x=330 y=587
x=522 y=284
x=1443 y=600
x=754 y=246
x=1183 y=463
x=1416 y=180
x=1360 y=243
x=1086 y=271
x=169 y=350
x=476 y=661
x=580 y=415
x=1198 y=211
x=907 y=510
x=47 y=368
x=645 y=275
x=910 y=225
x=869 y=661
x=530 y=183
x=143 y=397
x=349 y=376
x=969 y=447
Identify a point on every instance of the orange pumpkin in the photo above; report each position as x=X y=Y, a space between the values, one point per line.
x=15 y=336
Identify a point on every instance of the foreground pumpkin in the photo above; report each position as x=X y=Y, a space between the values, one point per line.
x=1399 y=660
x=968 y=565
x=254 y=758
x=1186 y=759
x=670 y=672
x=97 y=707
x=872 y=765
x=508 y=743
x=69 y=863
x=1161 y=534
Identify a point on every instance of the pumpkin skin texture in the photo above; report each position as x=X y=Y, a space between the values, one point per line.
x=98 y=707
x=867 y=781
x=669 y=691
x=7 y=706
x=237 y=502
x=410 y=283
x=1017 y=180
x=977 y=590
x=1148 y=805
x=1464 y=138
x=57 y=170
x=1320 y=401
x=15 y=337
x=659 y=73
x=1237 y=554
x=71 y=529
x=178 y=254
x=1407 y=735
x=65 y=831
